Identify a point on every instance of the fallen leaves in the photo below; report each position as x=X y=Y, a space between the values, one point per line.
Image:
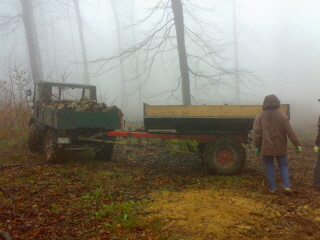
x=85 y=199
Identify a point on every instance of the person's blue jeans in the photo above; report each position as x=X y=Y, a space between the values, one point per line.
x=284 y=171
x=316 y=173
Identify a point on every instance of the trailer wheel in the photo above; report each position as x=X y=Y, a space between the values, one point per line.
x=33 y=142
x=225 y=156
x=52 y=153
x=104 y=152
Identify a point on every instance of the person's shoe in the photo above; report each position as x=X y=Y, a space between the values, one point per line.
x=287 y=190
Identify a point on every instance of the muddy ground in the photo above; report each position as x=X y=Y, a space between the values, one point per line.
x=154 y=195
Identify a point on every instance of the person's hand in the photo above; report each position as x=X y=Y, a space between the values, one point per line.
x=298 y=149
x=258 y=150
x=316 y=149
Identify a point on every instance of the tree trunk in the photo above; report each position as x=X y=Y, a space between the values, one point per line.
x=135 y=59
x=184 y=68
x=83 y=46
x=122 y=75
x=32 y=40
x=236 y=61
x=73 y=45
x=54 y=51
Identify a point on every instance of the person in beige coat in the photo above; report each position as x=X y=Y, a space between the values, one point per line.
x=270 y=131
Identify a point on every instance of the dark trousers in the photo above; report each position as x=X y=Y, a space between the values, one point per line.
x=316 y=173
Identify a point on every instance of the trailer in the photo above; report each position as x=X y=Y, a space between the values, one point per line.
x=222 y=131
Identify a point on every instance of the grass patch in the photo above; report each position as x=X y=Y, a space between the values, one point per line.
x=97 y=193
x=55 y=208
x=121 y=215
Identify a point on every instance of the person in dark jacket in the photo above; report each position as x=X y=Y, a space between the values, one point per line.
x=316 y=172
x=270 y=130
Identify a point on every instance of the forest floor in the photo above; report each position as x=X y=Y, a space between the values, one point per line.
x=154 y=195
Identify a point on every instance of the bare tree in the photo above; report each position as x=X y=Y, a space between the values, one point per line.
x=114 y=4
x=83 y=46
x=32 y=40
x=73 y=43
x=8 y=22
x=135 y=59
x=201 y=60
x=236 y=56
x=184 y=68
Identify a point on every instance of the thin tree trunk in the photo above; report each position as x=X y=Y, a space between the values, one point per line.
x=83 y=46
x=184 y=68
x=46 y=33
x=137 y=72
x=36 y=41
x=236 y=60
x=73 y=45
x=54 y=52
x=33 y=44
x=122 y=75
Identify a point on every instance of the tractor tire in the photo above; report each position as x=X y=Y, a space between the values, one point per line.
x=225 y=156
x=105 y=152
x=52 y=153
x=34 y=143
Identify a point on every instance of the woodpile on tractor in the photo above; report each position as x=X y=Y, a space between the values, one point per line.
x=85 y=104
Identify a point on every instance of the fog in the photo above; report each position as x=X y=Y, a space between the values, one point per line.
x=278 y=51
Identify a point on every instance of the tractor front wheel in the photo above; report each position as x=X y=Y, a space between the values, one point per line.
x=52 y=153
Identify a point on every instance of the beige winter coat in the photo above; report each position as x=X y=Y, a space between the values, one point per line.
x=271 y=128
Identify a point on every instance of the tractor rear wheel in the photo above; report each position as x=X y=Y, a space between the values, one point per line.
x=225 y=156
x=34 y=143
x=104 y=152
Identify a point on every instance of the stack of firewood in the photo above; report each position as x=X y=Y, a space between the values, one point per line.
x=84 y=104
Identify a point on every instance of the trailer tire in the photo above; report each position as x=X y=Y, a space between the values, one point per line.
x=105 y=152
x=34 y=143
x=225 y=156
x=52 y=153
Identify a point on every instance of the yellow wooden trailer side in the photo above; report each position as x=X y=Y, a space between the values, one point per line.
x=207 y=110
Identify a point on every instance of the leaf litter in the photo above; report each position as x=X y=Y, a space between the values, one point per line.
x=154 y=195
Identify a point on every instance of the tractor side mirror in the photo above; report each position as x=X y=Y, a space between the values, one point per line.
x=28 y=92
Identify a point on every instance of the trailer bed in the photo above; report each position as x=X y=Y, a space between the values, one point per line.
x=203 y=119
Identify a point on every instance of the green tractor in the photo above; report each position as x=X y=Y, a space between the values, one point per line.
x=67 y=117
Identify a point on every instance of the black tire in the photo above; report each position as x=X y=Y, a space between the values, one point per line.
x=104 y=152
x=225 y=156
x=34 y=143
x=52 y=153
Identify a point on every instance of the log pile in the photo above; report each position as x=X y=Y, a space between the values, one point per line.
x=84 y=104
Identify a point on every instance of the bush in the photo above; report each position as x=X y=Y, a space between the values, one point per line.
x=15 y=109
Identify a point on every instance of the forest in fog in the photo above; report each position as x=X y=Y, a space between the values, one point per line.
x=167 y=52
x=133 y=119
